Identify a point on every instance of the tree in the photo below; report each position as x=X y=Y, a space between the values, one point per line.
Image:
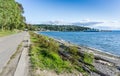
x=11 y=15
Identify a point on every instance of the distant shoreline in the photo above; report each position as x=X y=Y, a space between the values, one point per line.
x=79 y=31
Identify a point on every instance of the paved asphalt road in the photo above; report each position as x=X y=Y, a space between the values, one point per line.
x=8 y=46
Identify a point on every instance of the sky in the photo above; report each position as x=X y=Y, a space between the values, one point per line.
x=70 y=11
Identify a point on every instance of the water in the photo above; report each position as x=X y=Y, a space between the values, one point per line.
x=105 y=41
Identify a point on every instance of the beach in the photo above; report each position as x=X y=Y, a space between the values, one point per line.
x=106 y=63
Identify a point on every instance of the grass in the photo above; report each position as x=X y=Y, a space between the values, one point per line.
x=49 y=60
x=44 y=54
x=5 y=33
x=88 y=58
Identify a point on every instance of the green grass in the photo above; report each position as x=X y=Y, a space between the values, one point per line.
x=44 y=55
x=88 y=58
x=49 y=60
x=5 y=33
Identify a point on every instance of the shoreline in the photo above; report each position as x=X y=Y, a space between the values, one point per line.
x=86 y=47
x=100 y=51
x=81 y=46
x=106 y=63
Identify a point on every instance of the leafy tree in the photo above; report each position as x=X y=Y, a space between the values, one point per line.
x=11 y=15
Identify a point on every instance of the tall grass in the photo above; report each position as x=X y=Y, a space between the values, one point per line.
x=45 y=54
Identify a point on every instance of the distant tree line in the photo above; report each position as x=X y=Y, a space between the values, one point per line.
x=46 y=27
x=11 y=15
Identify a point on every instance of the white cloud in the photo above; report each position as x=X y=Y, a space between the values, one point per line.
x=103 y=25
x=108 y=25
x=85 y=20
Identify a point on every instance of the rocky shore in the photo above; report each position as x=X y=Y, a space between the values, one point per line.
x=107 y=64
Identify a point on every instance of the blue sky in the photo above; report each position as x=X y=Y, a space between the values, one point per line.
x=107 y=11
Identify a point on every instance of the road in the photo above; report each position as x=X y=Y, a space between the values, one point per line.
x=8 y=46
x=23 y=64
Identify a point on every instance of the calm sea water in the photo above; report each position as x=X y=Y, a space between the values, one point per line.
x=105 y=41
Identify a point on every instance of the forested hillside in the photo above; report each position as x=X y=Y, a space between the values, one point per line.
x=11 y=15
x=44 y=27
